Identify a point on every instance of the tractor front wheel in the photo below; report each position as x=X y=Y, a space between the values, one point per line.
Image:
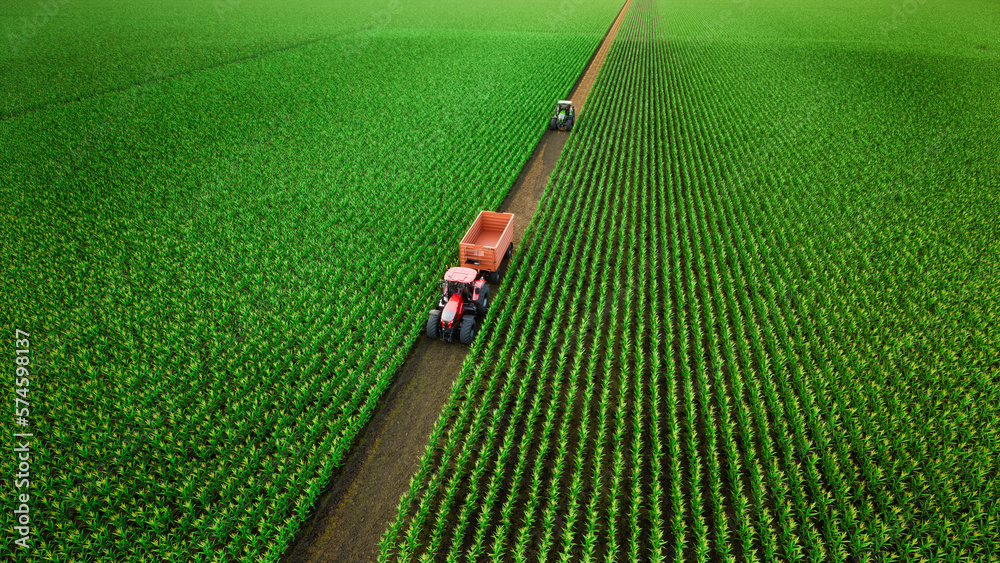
x=554 y=124
x=468 y=330
x=434 y=325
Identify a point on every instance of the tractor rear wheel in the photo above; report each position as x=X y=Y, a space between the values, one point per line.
x=434 y=325
x=484 y=301
x=468 y=330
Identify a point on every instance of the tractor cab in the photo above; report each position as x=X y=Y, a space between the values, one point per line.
x=459 y=281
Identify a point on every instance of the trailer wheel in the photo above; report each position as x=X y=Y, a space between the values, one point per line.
x=494 y=277
x=467 y=330
x=434 y=325
x=510 y=250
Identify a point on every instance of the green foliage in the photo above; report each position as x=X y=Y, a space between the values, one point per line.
x=57 y=51
x=224 y=265
x=756 y=304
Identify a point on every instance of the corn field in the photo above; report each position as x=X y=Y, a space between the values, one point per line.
x=222 y=265
x=742 y=332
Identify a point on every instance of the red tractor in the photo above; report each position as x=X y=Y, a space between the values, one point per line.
x=465 y=298
x=464 y=293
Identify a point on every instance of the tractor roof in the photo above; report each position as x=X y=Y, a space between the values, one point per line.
x=460 y=275
x=567 y=102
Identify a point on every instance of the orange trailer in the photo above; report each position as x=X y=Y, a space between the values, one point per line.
x=487 y=243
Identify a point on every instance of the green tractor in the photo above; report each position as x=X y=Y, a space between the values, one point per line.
x=564 y=117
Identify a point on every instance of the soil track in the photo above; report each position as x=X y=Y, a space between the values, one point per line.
x=352 y=514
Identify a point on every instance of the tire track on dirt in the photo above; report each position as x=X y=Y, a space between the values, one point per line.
x=360 y=503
